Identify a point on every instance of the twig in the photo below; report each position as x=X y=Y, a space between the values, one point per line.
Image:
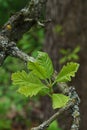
x=16 y=52
x=73 y=104
x=44 y=125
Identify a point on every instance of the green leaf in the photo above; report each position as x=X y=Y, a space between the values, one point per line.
x=59 y=100
x=77 y=49
x=45 y=61
x=42 y=66
x=29 y=84
x=64 y=51
x=63 y=60
x=31 y=89
x=38 y=70
x=75 y=57
x=44 y=91
x=20 y=78
x=67 y=72
x=54 y=126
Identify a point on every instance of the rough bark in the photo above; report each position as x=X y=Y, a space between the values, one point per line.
x=72 y=16
x=17 y=25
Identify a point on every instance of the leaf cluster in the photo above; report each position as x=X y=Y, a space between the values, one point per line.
x=39 y=79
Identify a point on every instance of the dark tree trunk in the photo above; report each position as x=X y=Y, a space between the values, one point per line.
x=72 y=16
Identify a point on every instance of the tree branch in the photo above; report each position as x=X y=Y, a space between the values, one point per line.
x=23 y=20
x=45 y=124
x=16 y=52
x=18 y=24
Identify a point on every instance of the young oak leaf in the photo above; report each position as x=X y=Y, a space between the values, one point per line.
x=37 y=69
x=46 y=62
x=42 y=67
x=31 y=90
x=59 y=100
x=67 y=72
x=29 y=84
x=20 y=78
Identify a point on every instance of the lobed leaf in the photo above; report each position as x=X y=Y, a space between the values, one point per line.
x=20 y=78
x=42 y=66
x=37 y=69
x=31 y=90
x=67 y=72
x=29 y=84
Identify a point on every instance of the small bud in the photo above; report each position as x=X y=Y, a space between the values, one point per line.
x=9 y=27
